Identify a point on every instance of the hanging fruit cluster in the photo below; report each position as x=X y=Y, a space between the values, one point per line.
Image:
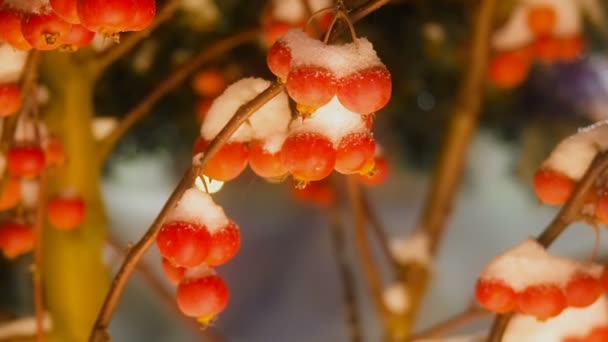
x=530 y=281
x=207 y=84
x=556 y=179
x=547 y=31
x=281 y=16
x=197 y=236
x=69 y=24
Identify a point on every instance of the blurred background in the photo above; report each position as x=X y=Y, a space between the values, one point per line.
x=284 y=283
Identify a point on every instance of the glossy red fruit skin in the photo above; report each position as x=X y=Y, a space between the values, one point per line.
x=311 y=86
x=583 y=290
x=209 y=83
x=184 y=244
x=355 y=154
x=10 y=30
x=78 y=37
x=66 y=10
x=509 y=69
x=308 y=156
x=45 y=31
x=11 y=194
x=225 y=244
x=552 y=187
x=66 y=213
x=542 y=301
x=275 y=30
x=203 y=296
x=174 y=273
x=599 y=334
x=112 y=16
x=495 y=296
x=366 y=91
x=25 y=161
x=228 y=163
x=379 y=174
x=319 y=193
x=279 y=60
x=16 y=239
x=10 y=99
x=265 y=164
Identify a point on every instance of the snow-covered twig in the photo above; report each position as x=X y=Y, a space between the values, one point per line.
x=457 y=321
x=568 y=214
x=140 y=110
x=346 y=275
x=23 y=327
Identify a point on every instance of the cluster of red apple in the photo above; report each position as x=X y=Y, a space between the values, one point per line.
x=196 y=236
x=509 y=69
x=69 y=24
x=530 y=281
x=597 y=334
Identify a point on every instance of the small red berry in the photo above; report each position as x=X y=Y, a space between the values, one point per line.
x=279 y=60
x=25 y=160
x=541 y=19
x=174 y=273
x=78 y=37
x=509 y=69
x=547 y=49
x=11 y=194
x=209 y=83
x=311 y=86
x=112 y=16
x=66 y=10
x=495 y=295
x=202 y=297
x=366 y=91
x=308 y=156
x=265 y=164
x=604 y=279
x=552 y=187
x=319 y=193
x=16 y=239
x=225 y=243
x=45 y=31
x=66 y=212
x=542 y=301
x=10 y=30
x=355 y=154
x=571 y=48
x=10 y=99
x=583 y=290
x=184 y=244
x=228 y=163
x=378 y=175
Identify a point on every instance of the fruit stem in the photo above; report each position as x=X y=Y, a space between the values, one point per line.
x=568 y=214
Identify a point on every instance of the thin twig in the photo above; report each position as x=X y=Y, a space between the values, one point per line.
x=455 y=322
x=568 y=214
x=158 y=286
x=372 y=218
x=99 y=332
x=370 y=268
x=346 y=276
x=100 y=62
x=448 y=172
x=176 y=78
x=38 y=256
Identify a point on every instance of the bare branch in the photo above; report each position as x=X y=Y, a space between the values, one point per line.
x=455 y=322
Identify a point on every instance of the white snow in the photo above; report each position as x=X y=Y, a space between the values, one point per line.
x=396 y=298
x=573 y=322
x=342 y=60
x=197 y=207
x=414 y=249
x=102 y=126
x=25 y=326
x=11 y=63
x=270 y=120
x=573 y=155
x=29 y=6
x=332 y=120
x=293 y=11
x=29 y=192
x=198 y=272
x=530 y=264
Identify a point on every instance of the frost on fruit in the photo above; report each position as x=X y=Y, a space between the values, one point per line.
x=414 y=249
x=11 y=63
x=332 y=120
x=572 y=322
x=396 y=298
x=293 y=11
x=573 y=155
x=529 y=264
x=197 y=207
x=342 y=60
x=269 y=123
